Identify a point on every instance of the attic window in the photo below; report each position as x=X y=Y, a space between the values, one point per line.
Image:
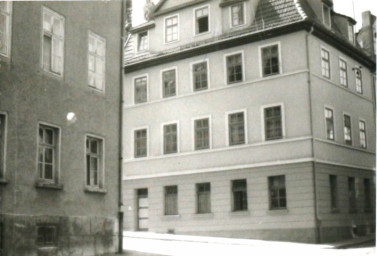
x=201 y=20
x=351 y=35
x=142 y=41
x=326 y=15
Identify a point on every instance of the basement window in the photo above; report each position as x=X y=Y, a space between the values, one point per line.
x=46 y=235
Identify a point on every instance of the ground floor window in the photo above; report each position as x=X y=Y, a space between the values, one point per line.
x=278 y=198
x=203 y=194
x=239 y=190
x=171 y=200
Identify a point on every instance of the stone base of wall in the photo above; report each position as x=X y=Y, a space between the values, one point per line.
x=74 y=235
x=335 y=234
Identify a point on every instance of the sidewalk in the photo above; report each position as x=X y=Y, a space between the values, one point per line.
x=355 y=241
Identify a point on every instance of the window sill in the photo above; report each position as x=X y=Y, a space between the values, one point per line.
x=240 y=213
x=273 y=212
x=44 y=185
x=204 y=215
x=95 y=190
x=171 y=216
x=335 y=210
x=3 y=181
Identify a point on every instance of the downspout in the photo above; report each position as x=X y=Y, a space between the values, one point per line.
x=120 y=171
x=316 y=213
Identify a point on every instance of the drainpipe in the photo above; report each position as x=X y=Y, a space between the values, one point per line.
x=316 y=213
x=120 y=173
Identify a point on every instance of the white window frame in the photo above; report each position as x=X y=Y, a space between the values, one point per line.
x=340 y=72
x=358 y=69
x=137 y=50
x=365 y=131
x=351 y=128
x=320 y=58
x=58 y=16
x=231 y=13
x=192 y=75
x=178 y=29
x=162 y=82
x=163 y=138
x=194 y=20
x=209 y=117
x=98 y=38
x=177 y=201
x=133 y=141
x=8 y=30
x=101 y=171
x=334 y=122
x=260 y=47
x=226 y=67
x=4 y=167
x=281 y=104
x=227 y=114
x=134 y=91
x=56 y=158
x=323 y=15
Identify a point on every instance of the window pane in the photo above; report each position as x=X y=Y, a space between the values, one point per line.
x=169 y=83
x=273 y=123
x=47 y=46
x=48 y=172
x=270 y=58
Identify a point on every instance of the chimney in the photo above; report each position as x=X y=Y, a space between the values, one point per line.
x=367 y=19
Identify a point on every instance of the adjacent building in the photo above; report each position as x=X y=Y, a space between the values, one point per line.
x=59 y=127
x=250 y=119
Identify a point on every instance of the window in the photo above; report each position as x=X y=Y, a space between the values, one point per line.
x=171 y=200
x=359 y=84
x=239 y=191
x=326 y=15
x=347 y=130
x=2 y=145
x=94 y=162
x=351 y=36
x=170 y=139
x=203 y=197
x=201 y=127
x=171 y=29
x=325 y=57
x=367 y=196
x=234 y=68
x=278 y=198
x=333 y=192
x=96 y=61
x=200 y=75
x=48 y=152
x=201 y=20
x=270 y=60
x=237 y=14
x=140 y=89
x=236 y=126
x=273 y=126
x=352 y=194
x=363 y=134
x=46 y=235
x=343 y=72
x=169 y=79
x=142 y=41
x=5 y=30
x=330 y=131
x=140 y=147
x=53 y=42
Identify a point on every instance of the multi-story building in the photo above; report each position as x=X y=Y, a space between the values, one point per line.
x=59 y=127
x=248 y=119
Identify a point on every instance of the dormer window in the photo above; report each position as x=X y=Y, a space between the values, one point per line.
x=142 y=43
x=201 y=20
x=326 y=15
x=171 y=29
x=351 y=34
x=237 y=15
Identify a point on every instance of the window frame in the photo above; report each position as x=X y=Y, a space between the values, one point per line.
x=193 y=120
x=260 y=49
x=231 y=15
x=282 y=121
x=344 y=126
x=134 y=130
x=166 y=213
x=227 y=135
x=357 y=70
x=165 y=29
x=334 y=194
x=134 y=89
x=3 y=151
x=8 y=30
x=162 y=82
x=192 y=64
x=100 y=187
x=323 y=15
x=226 y=67
x=196 y=33
x=352 y=195
x=54 y=243
x=97 y=38
x=328 y=61
x=244 y=193
x=139 y=41
x=343 y=70
x=56 y=154
x=163 y=138
x=270 y=187
x=333 y=120
x=351 y=28
x=368 y=202
x=62 y=18
x=365 y=133
x=197 y=197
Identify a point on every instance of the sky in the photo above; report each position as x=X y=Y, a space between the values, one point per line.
x=340 y=6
